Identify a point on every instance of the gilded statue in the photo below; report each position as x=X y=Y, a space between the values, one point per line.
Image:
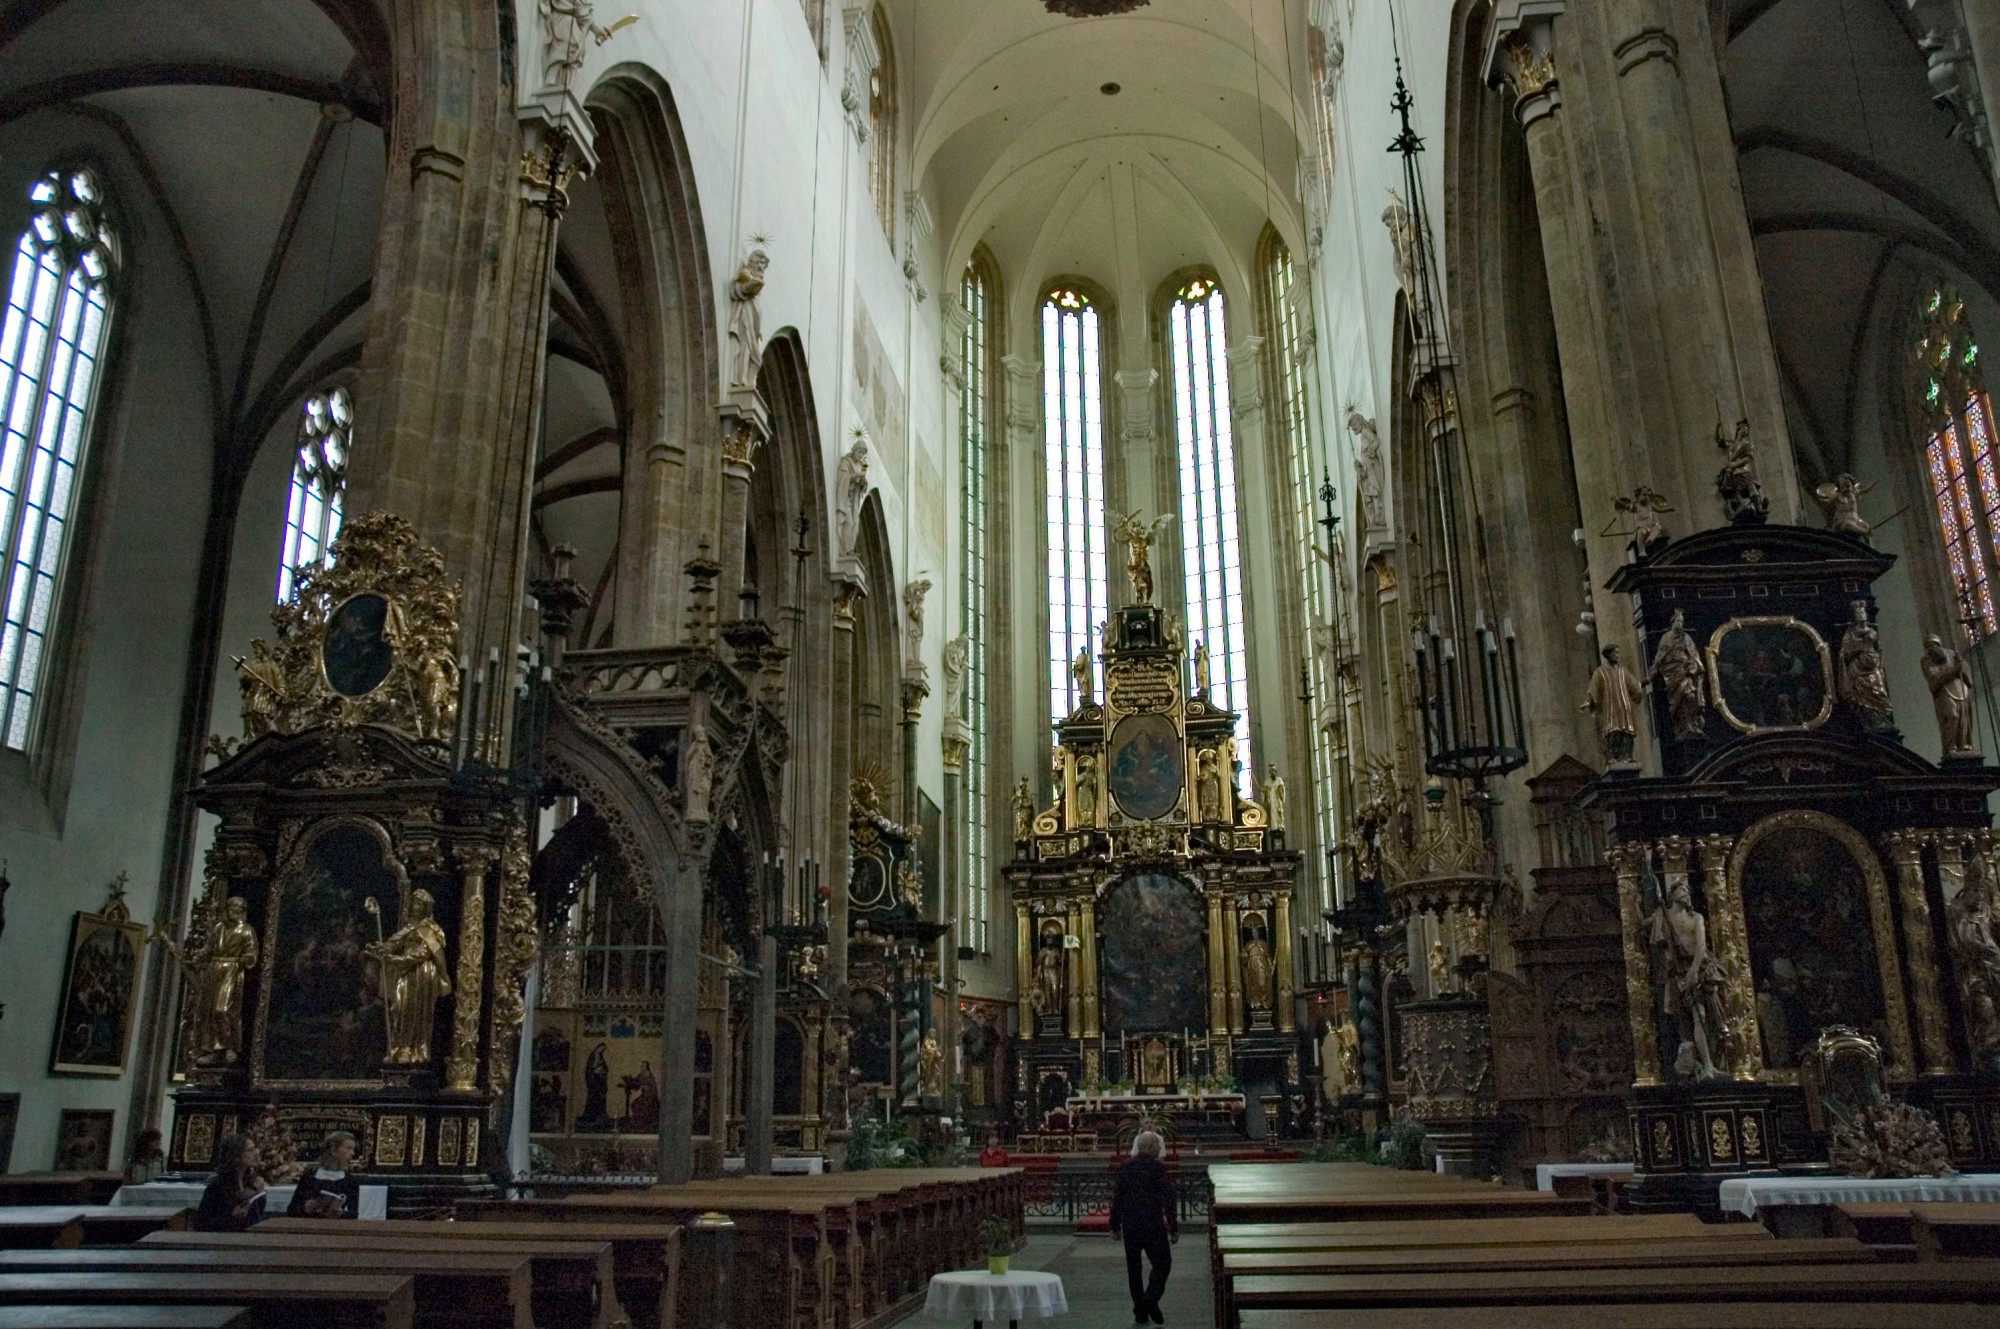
x=1086 y=790
x=1024 y=811
x=1048 y=998
x=217 y=965
x=1689 y=978
x=264 y=687
x=1736 y=483
x=1079 y=672
x=413 y=982
x=1208 y=785
x=1155 y=1070
x=1274 y=798
x=1613 y=699
x=930 y=1067
x=1863 y=683
x=1842 y=502
x=1951 y=694
x=1138 y=537
x=1975 y=959
x=1644 y=508
x=1202 y=672
x=1257 y=968
x=1683 y=678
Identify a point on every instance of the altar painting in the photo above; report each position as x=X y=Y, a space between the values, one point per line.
x=1812 y=945
x=1147 y=768
x=323 y=1017
x=1770 y=673
x=1155 y=960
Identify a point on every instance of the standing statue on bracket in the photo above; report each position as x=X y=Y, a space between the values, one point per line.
x=1683 y=678
x=746 y=323
x=1274 y=798
x=957 y=653
x=1863 y=683
x=1257 y=966
x=1138 y=537
x=1024 y=811
x=850 y=492
x=413 y=982
x=1842 y=501
x=1201 y=669
x=1951 y=695
x=219 y=959
x=1689 y=979
x=1086 y=790
x=913 y=623
x=1079 y=672
x=1614 y=700
x=1743 y=499
x=1367 y=469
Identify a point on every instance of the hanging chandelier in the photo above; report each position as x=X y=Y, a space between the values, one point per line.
x=1093 y=8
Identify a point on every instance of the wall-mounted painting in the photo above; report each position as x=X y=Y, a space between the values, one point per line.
x=83 y=1140
x=100 y=982
x=1146 y=767
x=1154 y=925
x=1770 y=673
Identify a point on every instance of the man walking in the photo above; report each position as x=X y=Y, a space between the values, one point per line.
x=1142 y=1212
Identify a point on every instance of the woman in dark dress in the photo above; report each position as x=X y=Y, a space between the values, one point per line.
x=327 y=1191
x=1143 y=1212
x=234 y=1198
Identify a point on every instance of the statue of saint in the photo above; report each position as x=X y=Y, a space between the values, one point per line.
x=1208 y=785
x=1975 y=958
x=1367 y=468
x=1951 y=694
x=746 y=324
x=1138 y=537
x=1079 y=671
x=216 y=966
x=1842 y=502
x=1201 y=669
x=1736 y=483
x=1257 y=968
x=1683 y=678
x=413 y=982
x=1644 y=507
x=851 y=492
x=930 y=1067
x=1156 y=1072
x=1863 y=684
x=1086 y=790
x=1048 y=999
x=1274 y=797
x=1614 y=699
x=1440 y=967
x=1689 y=979
x=1024 y=811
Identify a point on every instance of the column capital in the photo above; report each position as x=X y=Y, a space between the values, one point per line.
x=746 y=427
x=1521 y=53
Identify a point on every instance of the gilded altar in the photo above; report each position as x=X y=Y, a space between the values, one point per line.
x=1152 y=896
x=356 y=955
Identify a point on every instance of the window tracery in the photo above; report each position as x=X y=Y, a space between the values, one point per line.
x=1963 y=474
x=319 y=483
x=975 y=350
x=1073 y=424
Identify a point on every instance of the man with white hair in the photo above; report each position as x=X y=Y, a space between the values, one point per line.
x=1143 y=1213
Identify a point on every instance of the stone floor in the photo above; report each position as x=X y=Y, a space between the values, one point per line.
x=1093 y=1275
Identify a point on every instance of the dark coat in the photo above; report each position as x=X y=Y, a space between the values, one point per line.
x=1143 y=1201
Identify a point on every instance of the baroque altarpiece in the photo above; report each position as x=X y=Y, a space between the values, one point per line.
x=1153 y=900
x=1796 y=873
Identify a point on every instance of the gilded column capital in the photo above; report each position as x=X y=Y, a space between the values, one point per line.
x=1524 y=58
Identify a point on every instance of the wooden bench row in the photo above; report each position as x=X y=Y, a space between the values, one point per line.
x=59 y=1226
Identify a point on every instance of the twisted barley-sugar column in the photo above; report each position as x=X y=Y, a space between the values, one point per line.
x=1730 y=937
x=1626 y=861
x=1933 y=1030
x=1087 y=962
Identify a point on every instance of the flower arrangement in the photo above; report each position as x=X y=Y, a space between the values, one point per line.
x=996 y=1241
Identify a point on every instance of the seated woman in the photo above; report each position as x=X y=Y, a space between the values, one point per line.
x=327 y=1191
x=233 y=1201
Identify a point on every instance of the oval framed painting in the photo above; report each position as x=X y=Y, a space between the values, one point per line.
x=1147 y=766
x=357 y=650
x=1770 y=673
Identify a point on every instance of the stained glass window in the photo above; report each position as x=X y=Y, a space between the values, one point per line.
x=1958 y=456
x=319 y=480
x=1211 y=558
x=882 y=125
x=972 y=411
x=1073 y=421
x=52 y=341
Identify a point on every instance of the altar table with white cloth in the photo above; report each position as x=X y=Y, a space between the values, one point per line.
x=1018 y=1294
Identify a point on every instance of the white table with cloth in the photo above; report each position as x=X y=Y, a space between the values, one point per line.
x=1799 y=1205
x=374 y=1199
x=983 y=1298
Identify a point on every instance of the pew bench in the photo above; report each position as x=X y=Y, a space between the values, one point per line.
x=1956 y=1231
x=126 y=1317
x=22 y=1226
x=39 y=1227
x=571 y=1282
x=81 y=1188
x=459 y=1291
x=645 y=1257
x=275 y=1301
x=1655 y=1315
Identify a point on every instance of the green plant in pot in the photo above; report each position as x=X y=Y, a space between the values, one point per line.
x=996 y=1238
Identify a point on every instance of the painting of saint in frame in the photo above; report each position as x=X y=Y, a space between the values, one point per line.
x=100 y=982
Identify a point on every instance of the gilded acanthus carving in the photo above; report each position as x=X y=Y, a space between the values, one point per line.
x=514 y=952
x=368 y=638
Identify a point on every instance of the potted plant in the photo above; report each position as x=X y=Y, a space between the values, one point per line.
x=996 y=1238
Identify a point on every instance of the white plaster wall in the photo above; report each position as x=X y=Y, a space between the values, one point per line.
x=149 y=461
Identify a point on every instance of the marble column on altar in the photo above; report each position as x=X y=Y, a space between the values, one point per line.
x=1218 y=982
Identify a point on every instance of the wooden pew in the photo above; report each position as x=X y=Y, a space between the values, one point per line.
x=1573 y=1287
x=59 y=1187
x=1424 y=1263
x=40 y=1227
x=572 y=1285
x=275 y=1300
x=1956 y=1231
x=22 y=1227
x=466 y=1290
x=645 y=1257
x=125 y=1317
x=1396 y=1234
x=1655 y=1315
x=121 y=1224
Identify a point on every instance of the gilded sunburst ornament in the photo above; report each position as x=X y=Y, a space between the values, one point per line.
x=1093 y=8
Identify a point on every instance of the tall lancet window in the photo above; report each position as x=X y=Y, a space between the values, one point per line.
x=53 y=339
x=1211 y=554
x=319 y=480
x=1959 y=457
x=975 y=348
x=1074 y=453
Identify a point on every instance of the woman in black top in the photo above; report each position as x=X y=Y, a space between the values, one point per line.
x=234 y=1198
x=1143 y=1212
x=327 y=1191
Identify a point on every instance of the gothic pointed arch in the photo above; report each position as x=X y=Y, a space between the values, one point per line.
x=878 y=659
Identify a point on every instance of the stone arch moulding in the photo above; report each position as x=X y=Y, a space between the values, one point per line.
x=637 y=809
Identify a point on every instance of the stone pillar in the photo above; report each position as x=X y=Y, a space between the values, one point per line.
x=746 y=426
x=1933 y=1029
x=678 y=899
x=1627 y=861
x=759 y=1074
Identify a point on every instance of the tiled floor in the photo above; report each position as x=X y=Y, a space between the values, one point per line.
x=1093 y=1275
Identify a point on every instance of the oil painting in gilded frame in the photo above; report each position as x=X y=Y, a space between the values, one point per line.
x=1147 y=766
x=1770 y=673
x=99 y=993
x=83 y=1140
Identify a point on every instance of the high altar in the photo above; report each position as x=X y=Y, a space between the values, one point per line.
x=1153 y=900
